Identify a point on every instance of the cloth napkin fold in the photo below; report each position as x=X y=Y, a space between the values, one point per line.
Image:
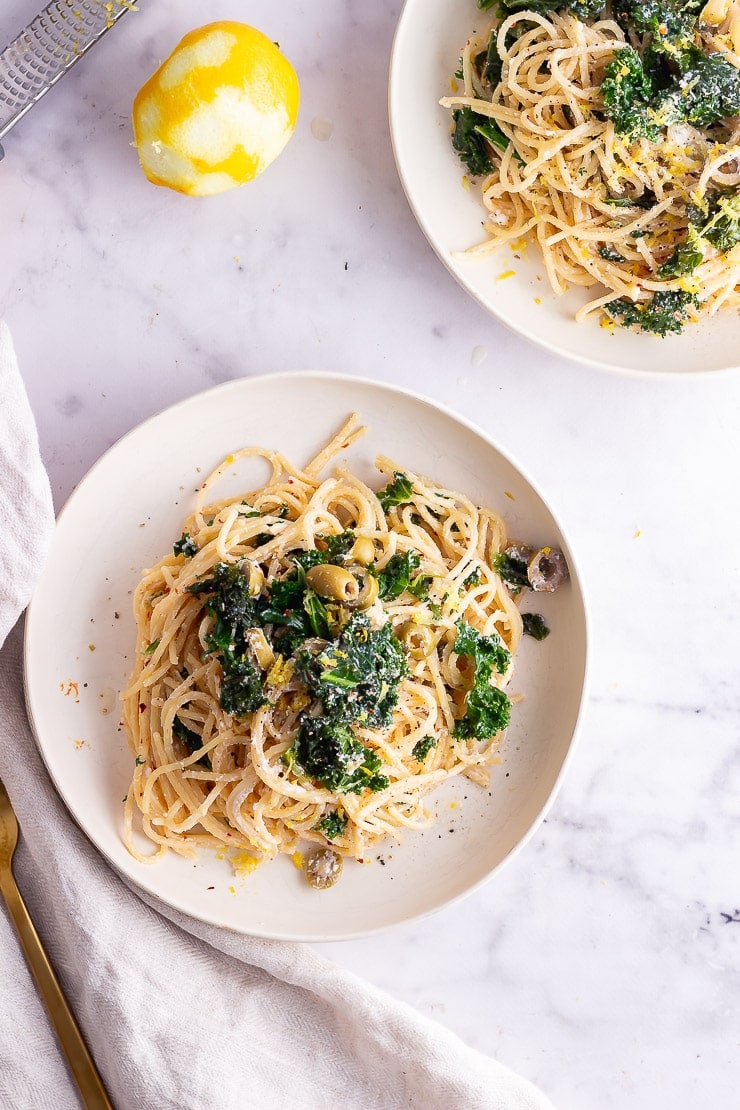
x=179 y=1014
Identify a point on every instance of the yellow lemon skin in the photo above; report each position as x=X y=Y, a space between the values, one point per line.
x=217 y=112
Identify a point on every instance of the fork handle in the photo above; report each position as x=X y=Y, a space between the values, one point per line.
x=80 y=1061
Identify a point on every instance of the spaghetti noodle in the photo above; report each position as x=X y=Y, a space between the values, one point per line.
x=313 y=658
x=614 y=141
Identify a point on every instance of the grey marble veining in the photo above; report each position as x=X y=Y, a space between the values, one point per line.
x=604 y=960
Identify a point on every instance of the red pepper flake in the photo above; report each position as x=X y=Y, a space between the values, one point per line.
x=71 y=690
x=142 y=707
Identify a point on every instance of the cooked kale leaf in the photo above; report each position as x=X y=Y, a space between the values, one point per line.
x=584 y=9
x=356 y=677
x=611 y=255
x=399 y=575
x=670 y=23
x=471 y=134
x=190 y=739
x=487 y=652
x=667 y=311
x=422 y=748
x=235 y=612
x=511 y=570
x=397 y=492
x=628 y=92
x=339 y=545
x=492 y=70
x=329 y=752
x=534 y=625
x=186 y=546
x=707 y=91
x=684 y=260
x=469 y=143
x=720 y=226
x=333 y=825
x=487 y=708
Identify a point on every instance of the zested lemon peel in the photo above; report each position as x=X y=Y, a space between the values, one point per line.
x=217 y=112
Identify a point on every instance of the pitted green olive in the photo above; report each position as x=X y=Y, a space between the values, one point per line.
x=334 y=583
x=417 y=638
x=368 y=591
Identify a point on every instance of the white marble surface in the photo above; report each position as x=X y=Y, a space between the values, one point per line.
x=603 y=961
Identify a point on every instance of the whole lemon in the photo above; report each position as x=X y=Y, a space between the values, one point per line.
x=217 y=112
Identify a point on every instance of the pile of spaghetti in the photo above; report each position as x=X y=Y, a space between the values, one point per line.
x=313 y=658
x=611 y=133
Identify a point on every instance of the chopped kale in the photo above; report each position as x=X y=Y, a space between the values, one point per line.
x=339 y=545
x=287 y=593
x=684 y=260
x=316 y=611
x=583 y=9
x=333 y=825
x=311 y=558
x=241 y=689
x=647 y=200
x=707 y=91
x=487 y=651
x=611 y=255
x=670 y=23
x=228 y=601
x=487 y=708
x=720 y=225
x=628 y=92
x=397 y=492
x=190 y=739
x=357 y=676
x=329 y=752
x=422 y=748
x=674 y=81
x=534 y=625
x=469 y=143
x=186 y=546
x=511 y=570
x=470 y=138
x=493 y=68
x=667 y=311
x=397 y=575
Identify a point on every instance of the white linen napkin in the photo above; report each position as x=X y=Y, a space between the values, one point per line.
x=179 y=1014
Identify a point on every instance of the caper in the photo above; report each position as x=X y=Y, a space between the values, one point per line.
x=363 y=550
x=334 y=583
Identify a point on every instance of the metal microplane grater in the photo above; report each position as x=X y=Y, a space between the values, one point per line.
x=47 y=49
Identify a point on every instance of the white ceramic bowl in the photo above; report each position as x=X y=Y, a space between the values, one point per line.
x=426 y=50
x=126 y=514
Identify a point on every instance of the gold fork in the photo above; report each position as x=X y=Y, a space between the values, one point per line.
x=80 y=1061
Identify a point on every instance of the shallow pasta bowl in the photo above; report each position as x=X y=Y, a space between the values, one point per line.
x=515 y=290
x=80 y=639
